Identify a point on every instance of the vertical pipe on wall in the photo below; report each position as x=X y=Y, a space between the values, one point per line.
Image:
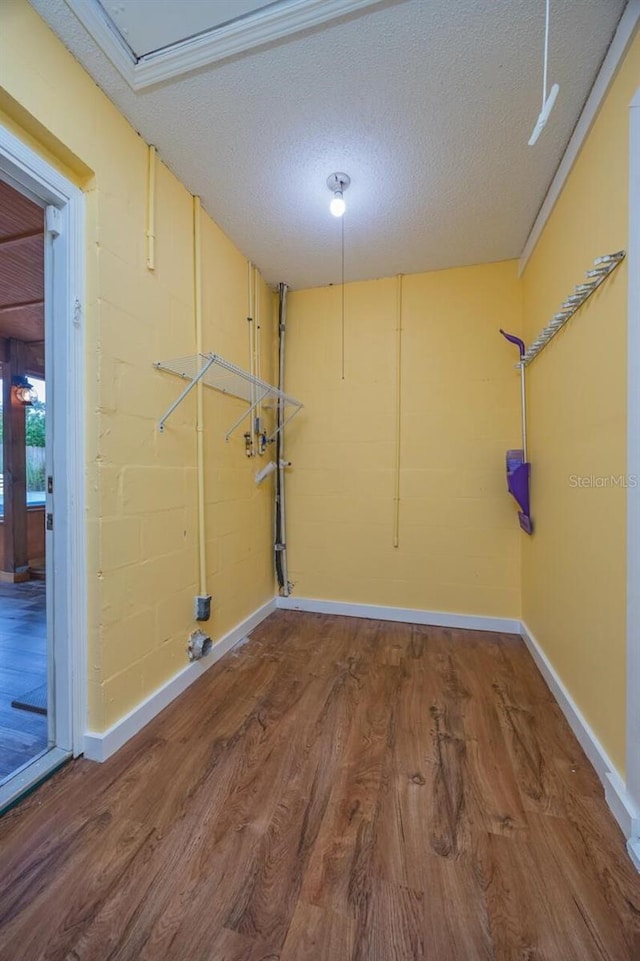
x=256 y=322
x=251 y=325
x=258 y=355
x=197 y=302
x=396 y=493
x=151 y=209
x=250 y=312
x=280 y=519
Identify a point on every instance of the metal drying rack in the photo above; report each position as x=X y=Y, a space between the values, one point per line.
x=221 y=375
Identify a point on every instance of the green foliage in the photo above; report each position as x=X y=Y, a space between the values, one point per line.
x=35 y=424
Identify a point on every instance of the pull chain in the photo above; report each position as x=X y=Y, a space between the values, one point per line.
x=342 y=285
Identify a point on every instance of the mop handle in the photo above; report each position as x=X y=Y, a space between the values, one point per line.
x=523 y=396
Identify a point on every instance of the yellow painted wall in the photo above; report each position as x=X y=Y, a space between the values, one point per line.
x=460 y=541
x=460 y=545
x=141 y=485
x=574 y=568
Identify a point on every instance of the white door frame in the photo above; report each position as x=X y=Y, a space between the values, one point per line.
x=633 y=470
x=25 y=170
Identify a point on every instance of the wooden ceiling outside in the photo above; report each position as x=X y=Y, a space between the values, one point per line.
x=21 y=267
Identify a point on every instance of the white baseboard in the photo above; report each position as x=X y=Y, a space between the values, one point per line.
x=619 y=801
x=405 y=615
x=98 y=747
x=633 y=848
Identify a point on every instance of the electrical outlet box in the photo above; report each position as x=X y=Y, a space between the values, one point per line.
x=203 y=607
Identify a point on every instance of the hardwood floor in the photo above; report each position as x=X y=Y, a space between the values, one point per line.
x=335 y=790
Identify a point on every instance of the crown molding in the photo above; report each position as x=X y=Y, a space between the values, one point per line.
x=269 y=25
x=615 y=55
x=96 y=22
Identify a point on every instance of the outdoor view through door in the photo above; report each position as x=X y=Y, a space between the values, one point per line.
x=26 y=723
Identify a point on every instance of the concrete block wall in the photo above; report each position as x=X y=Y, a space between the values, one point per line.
x=141 y=485
x=459 y=544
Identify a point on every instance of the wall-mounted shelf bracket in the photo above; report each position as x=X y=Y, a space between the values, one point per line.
x=227 y=378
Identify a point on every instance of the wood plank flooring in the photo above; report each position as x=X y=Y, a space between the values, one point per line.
x=335 y=790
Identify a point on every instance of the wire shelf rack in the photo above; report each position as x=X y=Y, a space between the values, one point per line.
x=602 y=268
x=227 y=378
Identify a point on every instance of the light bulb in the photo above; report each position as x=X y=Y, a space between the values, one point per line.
x=337 y=205
x=26 y=395
x=22 y=392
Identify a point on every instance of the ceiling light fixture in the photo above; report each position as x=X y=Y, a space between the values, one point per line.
x=547 y=102
x=337 y=184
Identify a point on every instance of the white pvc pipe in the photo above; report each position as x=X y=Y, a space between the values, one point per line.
x=270 y=468
x=251 y=324
x=281 y=420
x=197 y=310
x=151 y=209
x=398 y=452
x=259 y=413
x=258 y=328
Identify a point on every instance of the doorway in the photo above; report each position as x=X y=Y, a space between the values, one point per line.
x=42 y=569
x=27 y=720
x=633 y=487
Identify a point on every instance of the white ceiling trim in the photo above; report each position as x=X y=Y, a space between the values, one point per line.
x=94 y=19
x=615 y=55
x=262 y=27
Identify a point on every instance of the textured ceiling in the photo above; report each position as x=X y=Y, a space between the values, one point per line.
x=427 y=104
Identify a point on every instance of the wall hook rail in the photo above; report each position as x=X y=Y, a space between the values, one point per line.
x=602 y=268
x=227 y=378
